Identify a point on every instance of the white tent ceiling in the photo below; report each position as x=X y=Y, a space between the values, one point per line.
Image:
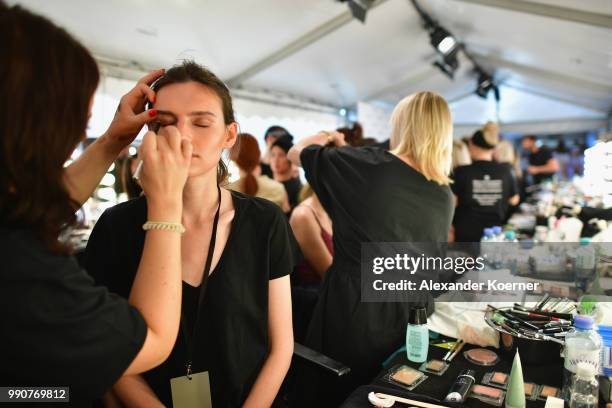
x=552 y=57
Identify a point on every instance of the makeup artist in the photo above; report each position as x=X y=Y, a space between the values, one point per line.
x=58 y=329
x=400 y=195
x=236 y=334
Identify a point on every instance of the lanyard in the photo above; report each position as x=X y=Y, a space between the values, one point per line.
x=190 y=338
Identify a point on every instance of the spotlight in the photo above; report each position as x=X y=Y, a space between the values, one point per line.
x=447 y=67
x=443 y=41
x=359 y=8
x=485 y=85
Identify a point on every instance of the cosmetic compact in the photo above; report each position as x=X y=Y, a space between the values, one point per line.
x=496 y=379
x=488 y=395
x=405 y=377
x=548 y=391
x=481 y=357
x=532 y=391
x=437 y=367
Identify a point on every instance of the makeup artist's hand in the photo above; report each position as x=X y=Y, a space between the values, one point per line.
x=131 y=116
x=166 y=159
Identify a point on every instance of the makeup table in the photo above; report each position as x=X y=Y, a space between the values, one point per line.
x=435 y=388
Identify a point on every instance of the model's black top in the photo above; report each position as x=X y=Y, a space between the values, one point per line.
x=232 y=337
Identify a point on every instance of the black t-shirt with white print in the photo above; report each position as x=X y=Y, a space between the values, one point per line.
x=483 y=189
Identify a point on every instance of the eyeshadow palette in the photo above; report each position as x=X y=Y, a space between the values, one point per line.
x=532 y=391
x=548 y=391
x=437 y=367
x=481 y=356
x=496 y=379
x=406 y=377
x=488 y=395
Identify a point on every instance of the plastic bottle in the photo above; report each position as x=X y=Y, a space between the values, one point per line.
x=584 y=388
x=417 y=335
x=582 y=345
x=606 y=351
x=509 y=251
x=585 y=260
x=485 y=244
x=498 y=236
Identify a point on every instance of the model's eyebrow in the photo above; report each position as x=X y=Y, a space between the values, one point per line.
x=168 y=113
x=201 y=113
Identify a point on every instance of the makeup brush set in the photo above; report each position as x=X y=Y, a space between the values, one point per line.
x=538 y=331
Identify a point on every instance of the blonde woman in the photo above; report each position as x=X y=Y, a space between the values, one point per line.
x=373 y=195
x=484 y=190
x=461 y=154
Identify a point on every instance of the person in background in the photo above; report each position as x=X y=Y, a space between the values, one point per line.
x=353 y=135
x=506 y=153
x=246 y=155
x=59 y=328
x=563 y=156
x=483 y=190
x=271 y=135
x=542 y=164
x=461 y=154
x=282 y=169
x=400 y=195
x=129 y=186
x=238 y=252
x=313 y=231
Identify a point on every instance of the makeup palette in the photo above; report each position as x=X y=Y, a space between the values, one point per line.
x=437 y=367
x=532 y=391
x=406 y=377
x=548 y=391
x=481 y=357
x=496 y=379
x=488 y=395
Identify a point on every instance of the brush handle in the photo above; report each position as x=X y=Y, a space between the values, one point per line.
x=409 y=401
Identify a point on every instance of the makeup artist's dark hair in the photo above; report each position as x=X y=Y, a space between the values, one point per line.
x=189 y=71
x=48 y=80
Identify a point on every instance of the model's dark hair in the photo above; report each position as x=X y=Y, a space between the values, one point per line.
x=48 y=80
x=189 y=71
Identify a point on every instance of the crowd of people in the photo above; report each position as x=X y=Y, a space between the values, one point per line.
x=193 y=277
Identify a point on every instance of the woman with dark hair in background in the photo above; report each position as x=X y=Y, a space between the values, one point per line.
x=400 y=195
x=238 y=252
x=58 y=329
x=283 y=171
x=483 y=190
x=271 y=135
x=246 y=155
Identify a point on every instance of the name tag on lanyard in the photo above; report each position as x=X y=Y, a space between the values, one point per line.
x=192 y=391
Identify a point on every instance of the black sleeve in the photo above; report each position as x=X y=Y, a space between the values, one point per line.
x=80 y=335
x=284 y=250
x=327 y=171
x=547 y=154
x=100 y=257
x=457 y=184
x=512 y=180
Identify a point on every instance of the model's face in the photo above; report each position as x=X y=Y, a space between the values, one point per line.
x=197 y=113
x=278 y=161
